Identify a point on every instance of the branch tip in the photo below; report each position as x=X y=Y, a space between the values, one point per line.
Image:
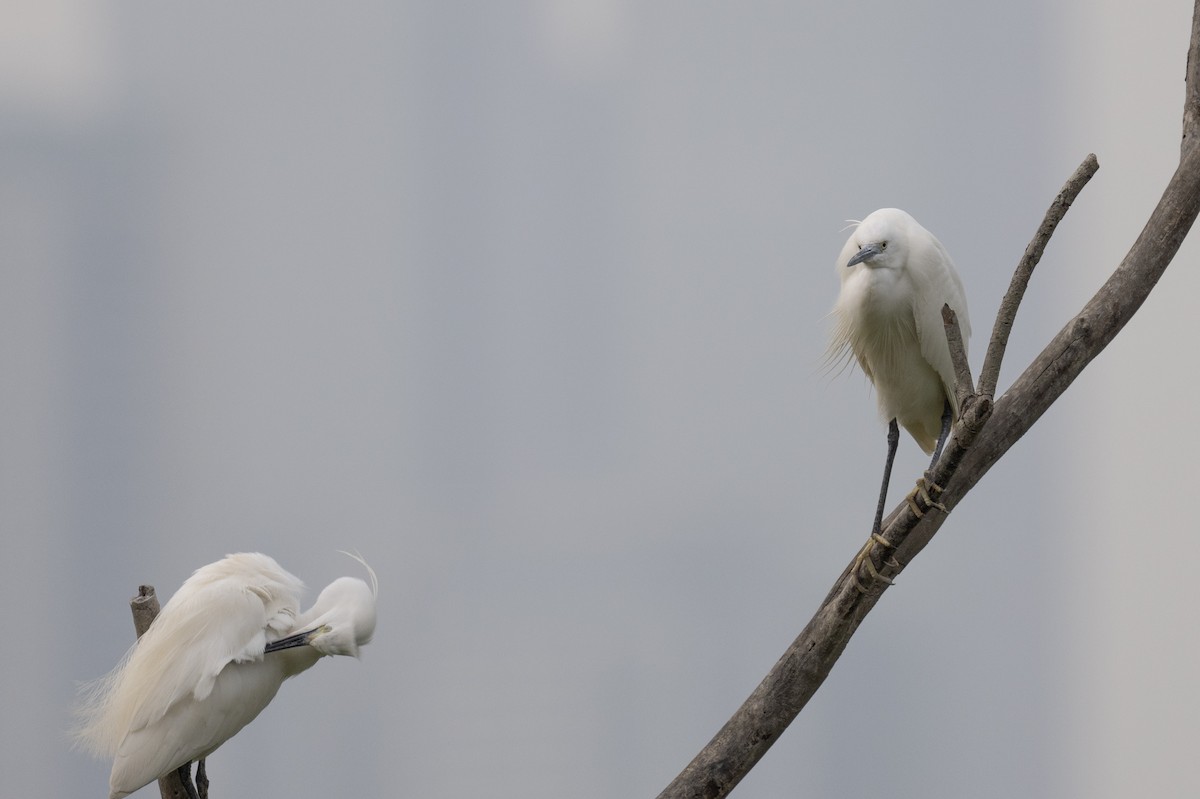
x=1007 y=314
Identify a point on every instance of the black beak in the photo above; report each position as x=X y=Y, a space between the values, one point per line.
x=299 y=639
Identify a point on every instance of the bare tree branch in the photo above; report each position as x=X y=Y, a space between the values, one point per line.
x=1191 y=96
x=145 y=609
x=958 y=357
x=738 y=745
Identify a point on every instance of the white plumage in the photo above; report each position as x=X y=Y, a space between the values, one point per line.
x=212 y=660
x=895 y=278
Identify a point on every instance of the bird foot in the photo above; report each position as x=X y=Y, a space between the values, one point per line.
x=863 y=559
x=924 y=491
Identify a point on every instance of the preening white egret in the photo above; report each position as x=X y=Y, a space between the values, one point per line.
x=212 y=660
x=895 y=278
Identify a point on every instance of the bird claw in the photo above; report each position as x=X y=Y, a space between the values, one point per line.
x=924 y=491
x=864 y=559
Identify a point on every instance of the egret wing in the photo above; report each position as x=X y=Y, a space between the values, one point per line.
x=935 y=285
x=226 y=612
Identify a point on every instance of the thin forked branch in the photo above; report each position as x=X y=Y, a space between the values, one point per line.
x=975 y=407
x=958 y=357
x=797 y=675
x=990 y=373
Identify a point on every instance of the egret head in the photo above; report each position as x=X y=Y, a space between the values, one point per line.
x=346 y=611
x=341 y=620
x=881 y=240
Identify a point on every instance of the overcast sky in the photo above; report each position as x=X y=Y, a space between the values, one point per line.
x=527 y=303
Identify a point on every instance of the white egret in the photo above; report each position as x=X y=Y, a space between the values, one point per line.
x=212 y=660
x=895 y=278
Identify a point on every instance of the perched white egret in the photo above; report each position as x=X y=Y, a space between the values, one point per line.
x=212 y=660
x=895 y=278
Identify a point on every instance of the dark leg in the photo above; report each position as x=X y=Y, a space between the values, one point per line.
x=201 y=779
x=893 y=439
x=184 y=773
x=941 y=442
x=927 y=490
x=864 y=554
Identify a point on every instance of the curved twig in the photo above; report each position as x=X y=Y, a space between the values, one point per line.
x=990 y=373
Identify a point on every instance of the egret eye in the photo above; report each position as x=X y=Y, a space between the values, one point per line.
x=883 y=245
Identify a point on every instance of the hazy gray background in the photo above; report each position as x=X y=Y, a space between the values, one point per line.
x=526 y=302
